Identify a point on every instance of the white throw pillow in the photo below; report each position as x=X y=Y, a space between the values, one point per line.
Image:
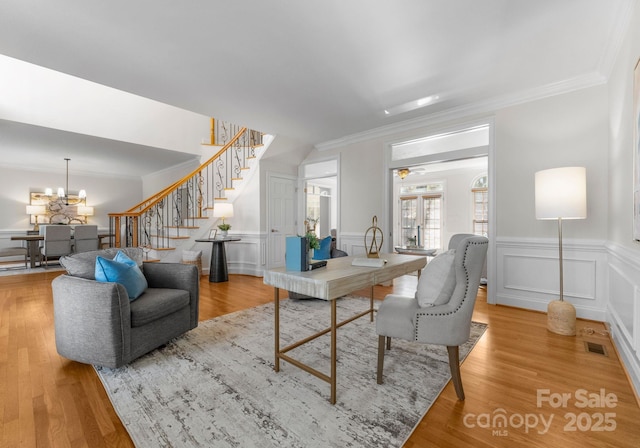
x=437 y=281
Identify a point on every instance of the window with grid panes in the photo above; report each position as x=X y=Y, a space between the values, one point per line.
x=431 y=220
x=408 y=219
x=425 y=211
x=480 y=193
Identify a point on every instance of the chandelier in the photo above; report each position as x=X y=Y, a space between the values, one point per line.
x=63 y=194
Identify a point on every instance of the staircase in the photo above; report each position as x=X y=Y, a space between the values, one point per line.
x=178 y=215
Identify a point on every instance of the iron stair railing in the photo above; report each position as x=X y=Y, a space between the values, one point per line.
x=169 y=215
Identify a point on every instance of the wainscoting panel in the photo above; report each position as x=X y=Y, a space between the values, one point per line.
x=621 y=301
x=352 y=243
x=518 y=269
x=623 y=309
x=528 y=274
x=243 y=257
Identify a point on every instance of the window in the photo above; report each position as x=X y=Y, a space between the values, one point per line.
x=432 y=220
x=480 y=192
x=421 y=216
x=408 y=220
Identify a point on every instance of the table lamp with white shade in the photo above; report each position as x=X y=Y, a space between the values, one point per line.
x=223 y=210
x=36 y=210
x=561 y=193
x=85 y=211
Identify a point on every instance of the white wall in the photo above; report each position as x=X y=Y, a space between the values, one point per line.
x=105 y=194
x=155 y=182
x=623 y=311
x=563 y=130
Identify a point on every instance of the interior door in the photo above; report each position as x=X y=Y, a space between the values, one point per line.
x=281 y=218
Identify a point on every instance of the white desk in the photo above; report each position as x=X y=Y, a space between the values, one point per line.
x=335 y=280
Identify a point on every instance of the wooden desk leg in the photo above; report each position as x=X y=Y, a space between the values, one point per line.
x=333 y=350
x=371 y=305
x=276 y=313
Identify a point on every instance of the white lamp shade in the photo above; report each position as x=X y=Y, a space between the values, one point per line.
x=561 y=193
x=36 y=210
x=223 y=210
x=85 y=211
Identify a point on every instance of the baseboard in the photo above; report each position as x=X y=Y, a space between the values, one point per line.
x=582 y=312
x=627 y=355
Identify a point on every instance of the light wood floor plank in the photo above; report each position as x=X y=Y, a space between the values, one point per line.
x=50 y=401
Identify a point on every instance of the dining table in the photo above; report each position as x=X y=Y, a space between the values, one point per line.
x=33 y=245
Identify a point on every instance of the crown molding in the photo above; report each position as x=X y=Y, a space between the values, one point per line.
x=481 y=107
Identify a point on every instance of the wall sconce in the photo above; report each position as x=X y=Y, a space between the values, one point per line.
x=85 y=211
x=36 y=210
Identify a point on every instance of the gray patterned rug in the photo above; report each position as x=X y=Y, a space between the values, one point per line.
x=216 y=387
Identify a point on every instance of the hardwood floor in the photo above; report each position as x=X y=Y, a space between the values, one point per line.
x=49 y=401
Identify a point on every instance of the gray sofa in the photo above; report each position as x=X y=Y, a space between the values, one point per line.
x=96 y=323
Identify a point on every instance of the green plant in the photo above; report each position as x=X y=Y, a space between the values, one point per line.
x=224 y=226
x=314 y=243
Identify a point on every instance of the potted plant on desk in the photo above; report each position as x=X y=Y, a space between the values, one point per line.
x=224 y=229
x=314 y=243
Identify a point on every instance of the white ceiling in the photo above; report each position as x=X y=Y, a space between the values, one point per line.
x=319 y=70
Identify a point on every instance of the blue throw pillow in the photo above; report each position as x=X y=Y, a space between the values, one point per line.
x=121 y=257
x=126 y=273
x=324 y=253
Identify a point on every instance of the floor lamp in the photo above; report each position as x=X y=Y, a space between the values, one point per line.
x=561 y=193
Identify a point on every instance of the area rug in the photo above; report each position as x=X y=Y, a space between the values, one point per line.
x=7 y=269
x=216 y=387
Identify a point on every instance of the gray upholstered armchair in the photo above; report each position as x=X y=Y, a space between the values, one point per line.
x=96 y=323
x=441 y=311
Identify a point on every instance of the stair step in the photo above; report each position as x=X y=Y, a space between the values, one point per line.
x=222 y=198
x=183 y=227
x=236 y=178
x=151 y=260
x=163 y=248
x=196 y=217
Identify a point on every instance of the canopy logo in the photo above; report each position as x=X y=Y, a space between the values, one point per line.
x=500 y=421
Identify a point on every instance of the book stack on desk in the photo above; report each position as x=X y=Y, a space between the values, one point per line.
x=317 y=264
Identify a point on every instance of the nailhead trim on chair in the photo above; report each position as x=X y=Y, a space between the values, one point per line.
x=461 y=303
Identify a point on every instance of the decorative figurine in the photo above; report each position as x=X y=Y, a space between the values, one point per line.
x=371 y=239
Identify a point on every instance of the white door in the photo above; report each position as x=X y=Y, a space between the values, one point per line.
x=281 y=217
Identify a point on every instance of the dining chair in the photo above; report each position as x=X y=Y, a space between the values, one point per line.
x=85 y=238
x=440 y=312
x=56 y=243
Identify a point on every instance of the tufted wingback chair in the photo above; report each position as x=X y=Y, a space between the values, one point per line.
x=446 y=323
